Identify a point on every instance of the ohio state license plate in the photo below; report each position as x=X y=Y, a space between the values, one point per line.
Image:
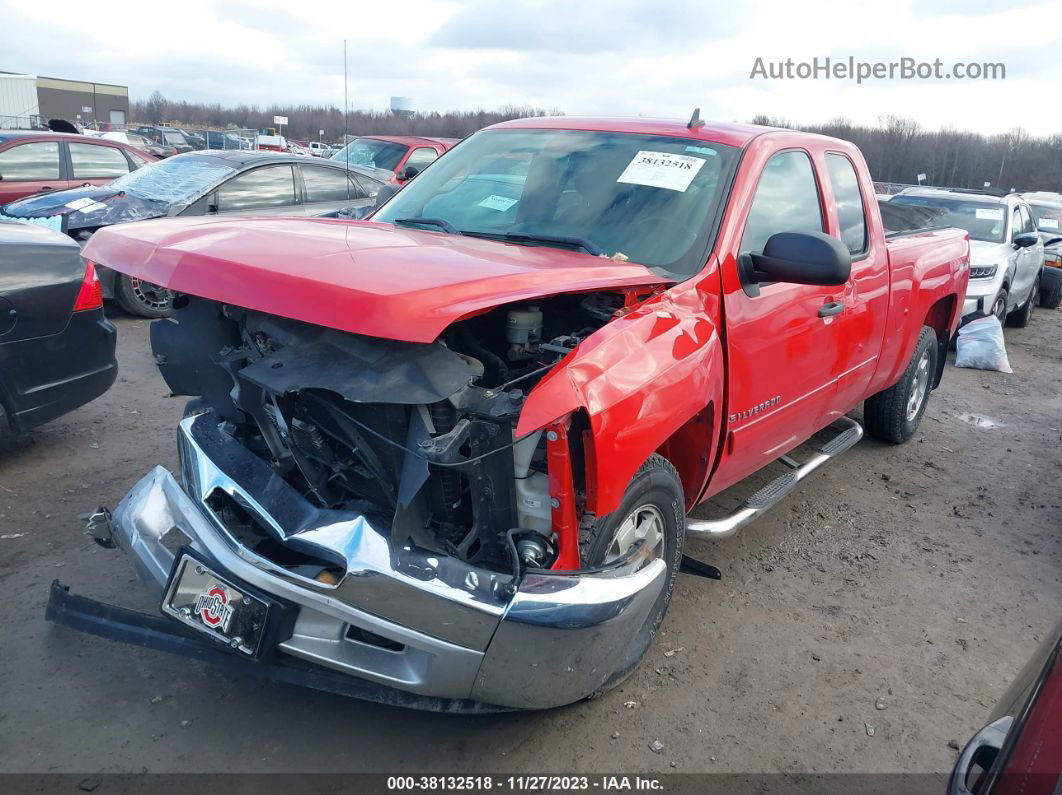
x=208 y=603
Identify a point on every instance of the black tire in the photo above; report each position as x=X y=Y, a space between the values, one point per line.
x=887 y=415
x=1021 y=316
x=656 y=483
x=999 y=306
x=142 y=298
x=1051 y=292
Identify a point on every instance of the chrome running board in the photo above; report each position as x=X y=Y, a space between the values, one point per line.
x=766 y=497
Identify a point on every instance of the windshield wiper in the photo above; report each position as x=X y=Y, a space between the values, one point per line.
x=444 y=225
x=518 y=237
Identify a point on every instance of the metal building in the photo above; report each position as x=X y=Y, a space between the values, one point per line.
x=91 y=104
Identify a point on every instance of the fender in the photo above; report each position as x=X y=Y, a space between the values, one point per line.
x=918 y=284
x=639 y=379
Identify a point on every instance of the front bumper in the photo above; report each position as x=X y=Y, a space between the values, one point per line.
x=452 y=631
x=980 y=295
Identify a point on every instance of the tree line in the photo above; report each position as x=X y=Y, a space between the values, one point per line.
x=898 y=150
x=306 y=121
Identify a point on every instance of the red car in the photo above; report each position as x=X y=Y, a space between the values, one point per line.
x=405 y=155
x=445 y=457
x=38 y=162
x=1019 y=752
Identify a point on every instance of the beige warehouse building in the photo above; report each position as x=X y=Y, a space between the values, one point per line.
x=25 y=100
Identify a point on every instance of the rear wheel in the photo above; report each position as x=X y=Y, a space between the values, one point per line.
x=1021 y=316
x=138 y=297
x=651 y=512
x=893 y=415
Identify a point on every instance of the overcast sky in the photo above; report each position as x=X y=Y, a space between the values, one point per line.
x=612 y=57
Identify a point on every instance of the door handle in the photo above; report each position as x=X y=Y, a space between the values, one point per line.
x=47 y=188
x=831 y=308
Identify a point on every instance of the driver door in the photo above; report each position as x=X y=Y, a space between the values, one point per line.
x=784 y=352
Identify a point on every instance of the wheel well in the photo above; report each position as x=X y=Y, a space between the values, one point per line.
x=938 y=318
x=689 y=450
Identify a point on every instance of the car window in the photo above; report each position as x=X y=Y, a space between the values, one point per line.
x=328 y=185
x=420 y=158
x=174 y=138
x=850 y=215
x=32 y=161
x=369 y=186
x=1015 y=223
x=786 y=200
x=138 y=159
x=95 y=162
x=1027 y=224
x=271 y=186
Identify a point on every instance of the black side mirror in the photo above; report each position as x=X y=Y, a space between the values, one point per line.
x=798 y=258
x=1026 y=239
x=409 y=173
x=384 y=193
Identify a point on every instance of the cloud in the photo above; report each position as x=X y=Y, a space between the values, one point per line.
x=586 y=27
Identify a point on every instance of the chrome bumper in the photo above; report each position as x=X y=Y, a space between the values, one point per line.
x=465 y=633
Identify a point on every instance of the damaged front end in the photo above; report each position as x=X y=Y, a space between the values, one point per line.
x=375 y=490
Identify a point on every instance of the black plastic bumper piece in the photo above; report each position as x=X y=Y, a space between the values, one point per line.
x=162 y=634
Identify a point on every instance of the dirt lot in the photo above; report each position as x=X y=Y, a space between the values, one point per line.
x=922 y=576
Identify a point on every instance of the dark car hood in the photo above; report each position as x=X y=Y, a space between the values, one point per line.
x=90 y=206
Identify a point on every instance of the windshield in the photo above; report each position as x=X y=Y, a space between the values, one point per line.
x=173 y=138
x=178 y=180
x=985 y=221
x=646 y=198
x=372 y=153
x=1048 y=217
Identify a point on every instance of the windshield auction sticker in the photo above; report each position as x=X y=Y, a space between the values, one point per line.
x=661 y=170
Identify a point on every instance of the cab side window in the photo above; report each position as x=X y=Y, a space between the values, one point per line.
x=850 y=215
x=786 y=200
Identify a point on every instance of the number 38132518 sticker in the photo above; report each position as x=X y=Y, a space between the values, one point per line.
x=662 y=170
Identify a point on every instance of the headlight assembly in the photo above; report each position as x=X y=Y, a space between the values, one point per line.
x=982 y=271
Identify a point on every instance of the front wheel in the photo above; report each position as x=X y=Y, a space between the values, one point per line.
x=893 y=415
x=651 y=512
x=1020 y=317
x=138 y=297
x=999 y=306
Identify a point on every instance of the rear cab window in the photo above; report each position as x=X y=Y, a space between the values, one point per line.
x=851 y=217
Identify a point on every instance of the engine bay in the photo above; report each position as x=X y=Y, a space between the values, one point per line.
x=419 y=437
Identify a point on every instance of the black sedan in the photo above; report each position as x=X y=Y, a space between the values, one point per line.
x=202 y=183
x=56 y=347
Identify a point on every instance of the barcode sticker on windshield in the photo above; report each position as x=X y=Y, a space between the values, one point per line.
x=1049 y=223
x=988 y=214
x=499 y=203
x=661 y=170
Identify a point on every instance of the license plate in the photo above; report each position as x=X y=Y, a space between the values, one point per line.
x=208 y=603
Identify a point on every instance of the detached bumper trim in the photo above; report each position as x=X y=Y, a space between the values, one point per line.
x=155 y=632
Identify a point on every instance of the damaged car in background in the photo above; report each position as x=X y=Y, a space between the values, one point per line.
x=443 y=458
x=200 y=183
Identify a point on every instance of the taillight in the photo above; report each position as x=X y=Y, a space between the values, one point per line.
x=90 y=296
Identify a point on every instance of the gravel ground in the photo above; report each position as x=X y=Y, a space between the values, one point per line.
x=872 y=618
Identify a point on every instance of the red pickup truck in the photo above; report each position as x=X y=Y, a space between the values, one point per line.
x=444 y=457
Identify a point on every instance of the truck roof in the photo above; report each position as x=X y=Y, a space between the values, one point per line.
x=715 y=132
x=412 y=140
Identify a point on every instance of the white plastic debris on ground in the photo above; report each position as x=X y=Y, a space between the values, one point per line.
x=981 y=347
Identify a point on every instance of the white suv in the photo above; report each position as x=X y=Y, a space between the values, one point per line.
x=1006 y=253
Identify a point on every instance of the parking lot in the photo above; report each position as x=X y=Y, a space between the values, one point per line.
x=870 y=620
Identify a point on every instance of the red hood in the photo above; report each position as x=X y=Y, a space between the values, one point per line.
x=369 y=278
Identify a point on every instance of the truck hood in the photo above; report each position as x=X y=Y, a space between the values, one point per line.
x=87 y=207
x=364 y=277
